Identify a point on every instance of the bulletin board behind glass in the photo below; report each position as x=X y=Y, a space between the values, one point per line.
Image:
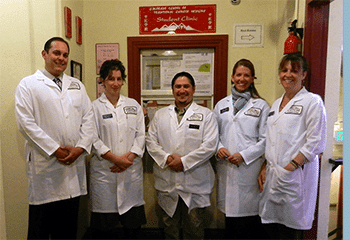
x=158 y=67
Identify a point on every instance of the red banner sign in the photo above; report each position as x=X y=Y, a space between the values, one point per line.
x=178 y=19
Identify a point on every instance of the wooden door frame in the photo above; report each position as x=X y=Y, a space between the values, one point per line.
x=218 y=42
x=315 y=51
x=315 y=44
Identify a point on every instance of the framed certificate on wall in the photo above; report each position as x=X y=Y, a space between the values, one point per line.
x=105 y=51
x=76 y=70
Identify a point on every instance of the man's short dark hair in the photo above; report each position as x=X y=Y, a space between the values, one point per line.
x=183 y=74
x=47 y=45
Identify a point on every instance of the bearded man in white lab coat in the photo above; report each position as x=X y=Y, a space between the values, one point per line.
x=55 y=116
x=181 y=139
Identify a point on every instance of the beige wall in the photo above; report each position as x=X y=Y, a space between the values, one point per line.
x=26 y=25
x=121 y=19
x=18 y=43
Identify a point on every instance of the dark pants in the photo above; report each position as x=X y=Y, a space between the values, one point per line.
x=55 y=220
x=192 y=224
x=104 y=225
x=279 y=231
x=249 y=227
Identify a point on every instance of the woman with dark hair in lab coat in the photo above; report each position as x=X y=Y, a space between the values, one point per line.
x=296 y=135
x=116 y=167
x=241 y=118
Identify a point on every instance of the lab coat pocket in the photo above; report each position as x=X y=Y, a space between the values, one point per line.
x=200 y=180
x=131 y=119
x=164 y=180
x=193 y=135
x=287 y=186
x=246 y=140
x=75 y=98
x=136 y=170
x=43 y=164
x=131 y=131
x=100 y=164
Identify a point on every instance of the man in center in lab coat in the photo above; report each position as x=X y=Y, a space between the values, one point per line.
x=181 y=139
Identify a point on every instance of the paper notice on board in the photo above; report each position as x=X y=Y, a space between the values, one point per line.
x=168 y=69
x=199 y=65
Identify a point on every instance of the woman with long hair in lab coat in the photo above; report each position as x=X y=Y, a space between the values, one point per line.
x=296 y=135
x=116 y=166
x=241 y=118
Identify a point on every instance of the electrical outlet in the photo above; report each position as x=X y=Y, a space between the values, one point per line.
x=235 y=2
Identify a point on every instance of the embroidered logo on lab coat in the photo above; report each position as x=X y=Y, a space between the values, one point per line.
x=224 y=110
x=195 y=117
x=74 y=86
x=130 y=110
x=254 y=112
x=106 y=116
x=295 y=109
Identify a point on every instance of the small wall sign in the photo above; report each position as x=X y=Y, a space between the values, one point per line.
x=68 y=21
x=248 y=35
x=79 y=29
x=178 y=19
x=105 y=51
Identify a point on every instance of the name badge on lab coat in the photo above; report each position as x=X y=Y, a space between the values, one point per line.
x=74 y=86
x=193 y=126
x=295 y=109
x=130 y=110
x=254 y=112
x=195 y=117
x=106 y=116
x=226 y=109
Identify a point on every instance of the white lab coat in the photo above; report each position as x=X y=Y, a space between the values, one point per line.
x=245 y=132
x=195 y=139
x=289 y=198
x=49 y=118
x=120 y=130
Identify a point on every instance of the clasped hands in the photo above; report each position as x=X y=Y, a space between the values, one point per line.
x=235 y=158
x=174 y=162
x=68 y=154
x=121 y=163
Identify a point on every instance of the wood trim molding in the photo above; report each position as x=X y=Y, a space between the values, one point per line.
x=218 y=42
x=317 y=1
x=315 y=45
x=315 y=51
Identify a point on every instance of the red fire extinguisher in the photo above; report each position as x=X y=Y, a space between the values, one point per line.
x=293 y=43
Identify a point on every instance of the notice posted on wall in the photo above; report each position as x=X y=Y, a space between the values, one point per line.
x=199 y=65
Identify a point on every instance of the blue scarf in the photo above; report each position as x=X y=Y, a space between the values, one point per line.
x=239 y=99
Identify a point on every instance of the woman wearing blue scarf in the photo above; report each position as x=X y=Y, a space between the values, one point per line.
x=242 y=127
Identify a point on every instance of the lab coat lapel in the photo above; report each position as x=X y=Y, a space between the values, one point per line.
x=65 y=83
x=293 y=101
x=248 y=105
x=172 y=113
x=188 y=113
x=41 y=77
x=229 y=104
x=278 y=114
x=103 y=98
